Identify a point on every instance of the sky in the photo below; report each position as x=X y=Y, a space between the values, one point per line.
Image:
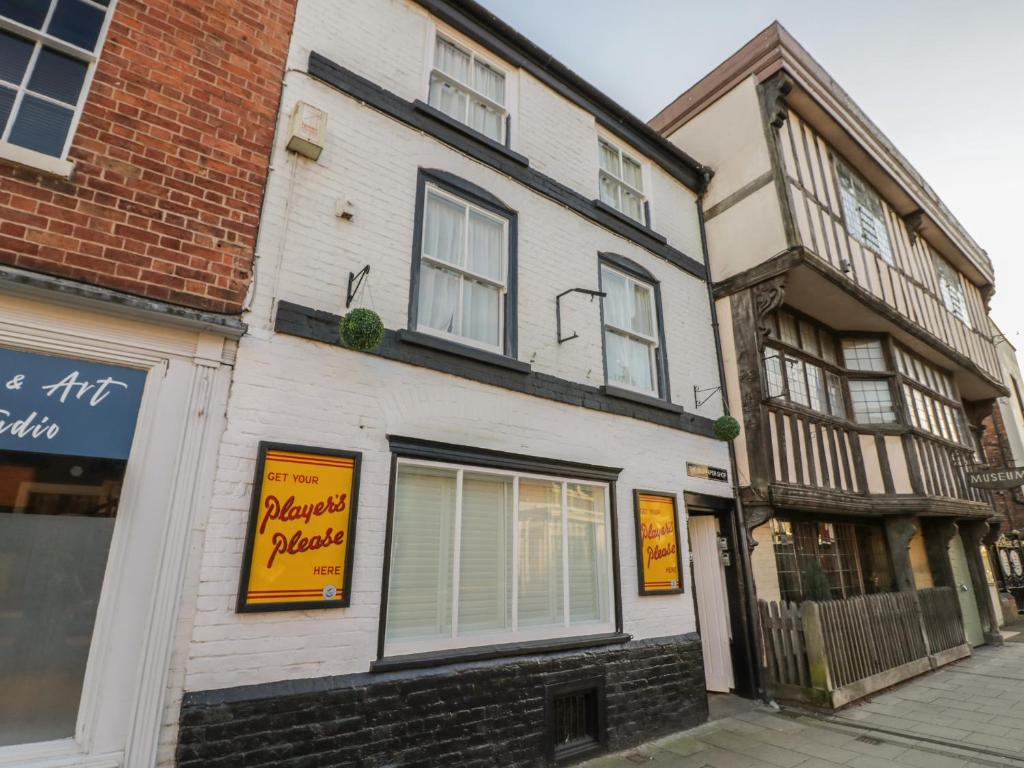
x=943 y=79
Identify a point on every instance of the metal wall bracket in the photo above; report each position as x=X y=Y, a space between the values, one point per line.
x=698 y=391
x=558 y=310
x=357 y=278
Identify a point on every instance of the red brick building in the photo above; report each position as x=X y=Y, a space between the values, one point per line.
x=135 y=138
x=136 y=143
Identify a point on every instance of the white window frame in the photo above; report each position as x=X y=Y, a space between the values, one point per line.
x=494 y=637
x=58 y=165
x=465 y=273
x=470 y=90
x=620 y=183
x=653 y=342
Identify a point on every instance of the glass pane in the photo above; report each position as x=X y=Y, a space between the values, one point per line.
x=422 y=554
x=31 y=13
x=642 y=310
x=615 y=302
x=809 y=338
x=443 y=229
x=486 y=119
x=588 y=554
x=14 y=55
x=438 y=299
x=58 y=76
x=609 y=191
x=787 y=329
x=630 y=362
x=872 y=401
x=490 y=82
x=773 y=372
x=541 y=599
x=797 y=383
x=632 y=205
x=486 y=246
x=828 y=348
x=835 y=395
x=76 y=23
x=451 y=60
x=816 y=388
x=447 y=98
x=6 y=102
x=481 y=313
x=485 y=553
x=863 y=355
x=41 y=126
x=56 y=521
x=609 y=157
x=631 y=174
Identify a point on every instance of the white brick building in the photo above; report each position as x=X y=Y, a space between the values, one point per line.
x=488 y=384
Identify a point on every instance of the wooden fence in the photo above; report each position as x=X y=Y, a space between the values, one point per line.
x=834 y=652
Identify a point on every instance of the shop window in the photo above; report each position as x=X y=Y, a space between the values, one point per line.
x=633 y=346
x=469 y=89
x=621 y=181
x=481 y=556
x=819 y=560
x=66 y=429
x=48 y=50
x=862 y=211
x=464 y=267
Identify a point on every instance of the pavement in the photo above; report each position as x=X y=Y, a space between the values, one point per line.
x=966 y=715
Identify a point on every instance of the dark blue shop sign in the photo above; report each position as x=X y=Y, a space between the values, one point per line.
x=59 y=405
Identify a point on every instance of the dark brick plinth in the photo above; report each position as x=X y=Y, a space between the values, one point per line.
x=481 y=715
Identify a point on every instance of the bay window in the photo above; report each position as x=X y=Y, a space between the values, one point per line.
x=483 y=556
x=48 y=50
x=932 y=401
x=468 y=89
x=633 y=344
x=621 y=181
x=462 y=268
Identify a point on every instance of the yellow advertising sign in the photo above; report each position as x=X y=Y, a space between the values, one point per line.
x=299 y=546
x=658 y=555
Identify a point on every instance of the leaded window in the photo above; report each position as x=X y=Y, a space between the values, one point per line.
x=862 y=210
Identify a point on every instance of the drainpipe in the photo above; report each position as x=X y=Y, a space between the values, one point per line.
x=753 y=637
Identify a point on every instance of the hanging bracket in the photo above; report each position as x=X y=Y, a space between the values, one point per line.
x=558 y=310
x=357 y=278
x=698 y=401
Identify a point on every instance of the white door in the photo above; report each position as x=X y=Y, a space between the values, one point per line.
x=712 y=602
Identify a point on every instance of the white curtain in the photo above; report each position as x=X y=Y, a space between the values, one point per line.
x=485 y=119
x=438 y=299
x=490 y=83
x=485 y=246
x=485 y=558
x=541 y=598
x=452 y=61
x=443 y=233
x=610 y=159
x=632 y=205
x=481 y=312
x=588 y=554
x=422 y=549
x=629 y=361
x=631 y=174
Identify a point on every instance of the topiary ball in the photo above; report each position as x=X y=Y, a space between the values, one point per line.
x=727 y=428
x=361 y=329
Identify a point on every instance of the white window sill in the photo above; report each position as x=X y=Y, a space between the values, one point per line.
x=37 y=161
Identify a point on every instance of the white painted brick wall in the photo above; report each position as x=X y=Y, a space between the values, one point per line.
x=559 y=138
x=292 y=390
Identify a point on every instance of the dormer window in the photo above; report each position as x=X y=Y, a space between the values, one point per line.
x=468 y=89
x=862 y=209
x=621 y=181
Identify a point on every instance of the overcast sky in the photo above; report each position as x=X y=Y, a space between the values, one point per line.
x=943 y=79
